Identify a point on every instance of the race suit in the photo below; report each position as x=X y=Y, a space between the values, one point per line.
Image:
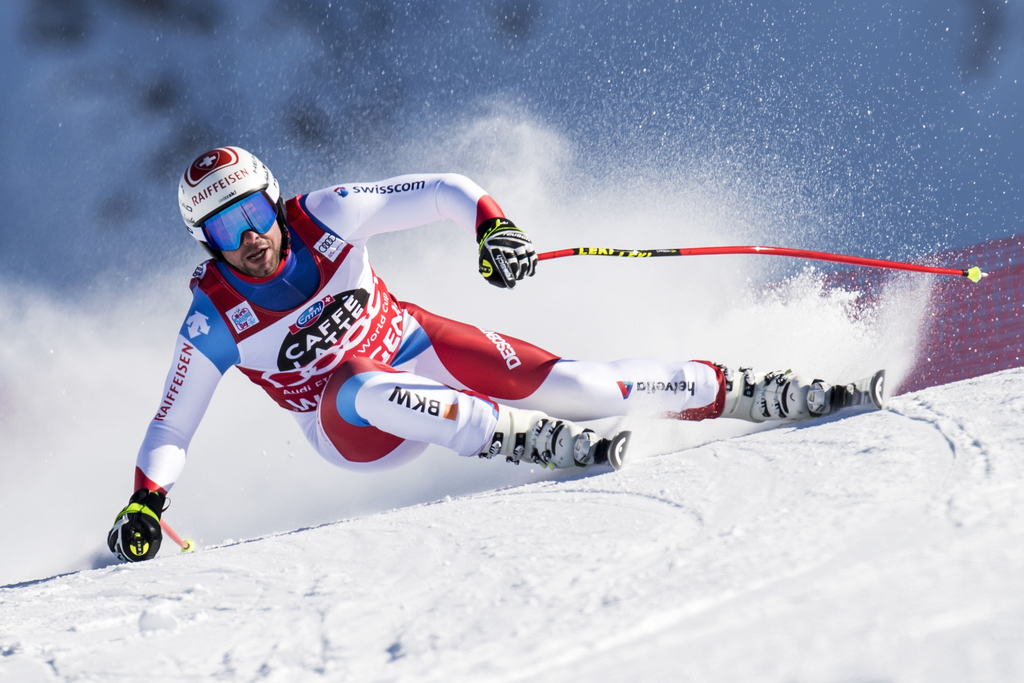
x=372 y=380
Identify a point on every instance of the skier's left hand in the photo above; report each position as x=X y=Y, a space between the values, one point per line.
x=136 y=533
x=506 y=253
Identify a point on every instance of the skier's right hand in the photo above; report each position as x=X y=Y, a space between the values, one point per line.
x=136 y=533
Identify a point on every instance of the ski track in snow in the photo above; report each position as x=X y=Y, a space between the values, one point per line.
x=880 y=546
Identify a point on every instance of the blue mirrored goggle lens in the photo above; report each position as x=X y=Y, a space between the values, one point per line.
x=224 y=229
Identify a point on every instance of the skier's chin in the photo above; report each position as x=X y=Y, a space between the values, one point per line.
x=260 y=263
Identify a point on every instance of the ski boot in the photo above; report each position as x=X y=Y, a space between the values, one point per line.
x=535 y=437
x=789 y=396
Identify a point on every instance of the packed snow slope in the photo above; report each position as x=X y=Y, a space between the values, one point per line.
x=884 y=546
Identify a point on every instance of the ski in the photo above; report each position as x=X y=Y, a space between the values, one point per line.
x=613 y=450
x=870 y=390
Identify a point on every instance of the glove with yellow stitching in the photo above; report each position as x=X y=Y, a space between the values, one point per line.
x=506 y=253
x=136 y=533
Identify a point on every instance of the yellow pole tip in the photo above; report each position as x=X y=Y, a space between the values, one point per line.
x=189 y=546
x=974 y=274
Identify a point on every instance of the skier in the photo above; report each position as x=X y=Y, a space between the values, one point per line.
x=289 y=297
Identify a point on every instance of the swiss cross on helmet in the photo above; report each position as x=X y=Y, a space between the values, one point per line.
x=218 y=179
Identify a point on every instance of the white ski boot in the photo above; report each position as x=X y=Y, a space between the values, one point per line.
x=789 y=396
x=535 y=437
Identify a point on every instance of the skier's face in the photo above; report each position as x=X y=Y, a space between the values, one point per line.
x=258 y=255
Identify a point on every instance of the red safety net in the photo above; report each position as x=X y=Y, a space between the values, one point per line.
x=969 y=329
x=973 y=329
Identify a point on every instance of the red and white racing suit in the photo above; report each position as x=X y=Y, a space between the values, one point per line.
x=372 y=380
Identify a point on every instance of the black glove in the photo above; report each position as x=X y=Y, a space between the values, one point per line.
x=506 y=253
x=136 y=533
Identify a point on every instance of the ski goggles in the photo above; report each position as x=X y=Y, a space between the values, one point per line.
x=224 y=229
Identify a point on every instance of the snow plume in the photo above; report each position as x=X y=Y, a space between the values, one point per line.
x=759 y=311
x=80 y=373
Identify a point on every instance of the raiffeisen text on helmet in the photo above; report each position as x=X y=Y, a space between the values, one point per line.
x=218 y=177
x=217 y=186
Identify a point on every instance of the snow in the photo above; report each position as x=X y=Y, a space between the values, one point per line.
x=882 y=546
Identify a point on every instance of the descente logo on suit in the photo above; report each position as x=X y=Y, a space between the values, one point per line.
x=504 y=348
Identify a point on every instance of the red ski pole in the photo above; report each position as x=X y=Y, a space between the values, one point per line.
x=186 y=546
x=974 y=274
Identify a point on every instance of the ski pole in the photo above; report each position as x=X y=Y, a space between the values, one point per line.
x=974 y=274
x=186 y=546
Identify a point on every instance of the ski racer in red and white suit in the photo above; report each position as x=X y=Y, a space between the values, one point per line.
x=333 y=358
x=370 y=379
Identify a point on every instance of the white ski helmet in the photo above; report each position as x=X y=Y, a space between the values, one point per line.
x=219 y=178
